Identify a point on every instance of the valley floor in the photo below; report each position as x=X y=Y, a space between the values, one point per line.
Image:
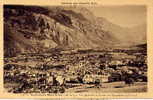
x=118 y=71
x=114 y=87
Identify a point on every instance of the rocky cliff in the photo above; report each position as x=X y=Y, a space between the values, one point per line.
x=39 y=29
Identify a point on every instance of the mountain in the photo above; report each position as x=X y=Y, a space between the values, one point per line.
x=39 y=29
x=126 y=35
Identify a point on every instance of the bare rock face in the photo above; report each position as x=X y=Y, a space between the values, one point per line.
x=39 y=29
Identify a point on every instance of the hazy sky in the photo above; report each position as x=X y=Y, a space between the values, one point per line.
x=125 y=16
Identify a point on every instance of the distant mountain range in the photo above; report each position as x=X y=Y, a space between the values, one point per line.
x=127 y=36
x=39 y=29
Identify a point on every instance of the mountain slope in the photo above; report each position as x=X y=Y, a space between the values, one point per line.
x=38 y=29
x=128 y=36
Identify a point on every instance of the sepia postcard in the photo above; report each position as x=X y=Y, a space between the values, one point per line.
x=76 y=49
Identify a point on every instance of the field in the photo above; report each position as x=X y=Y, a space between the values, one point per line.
x=114 y=87
x=77 y=71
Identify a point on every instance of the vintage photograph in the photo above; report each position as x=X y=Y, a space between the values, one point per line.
x=75 y=49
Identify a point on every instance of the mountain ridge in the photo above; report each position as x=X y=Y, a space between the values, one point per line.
x=38 y=29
